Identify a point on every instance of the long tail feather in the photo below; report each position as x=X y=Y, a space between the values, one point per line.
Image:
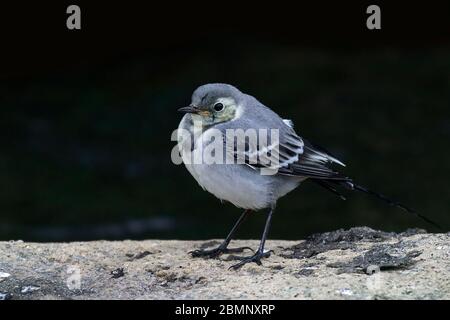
x=395 y=204
x=326 y=185
x=349 y=184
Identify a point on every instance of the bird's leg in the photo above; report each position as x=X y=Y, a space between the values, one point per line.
x=223 y=248
x=260 y=253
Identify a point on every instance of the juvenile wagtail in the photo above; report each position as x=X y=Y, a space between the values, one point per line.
x=217 y=109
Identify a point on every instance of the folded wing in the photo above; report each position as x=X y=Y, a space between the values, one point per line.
x=289 y=155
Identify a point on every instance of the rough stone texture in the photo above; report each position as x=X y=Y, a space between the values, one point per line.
x=360 y=263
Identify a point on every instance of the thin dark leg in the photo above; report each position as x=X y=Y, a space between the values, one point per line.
x=260 y=253
x=230 y=235
x=223 y=248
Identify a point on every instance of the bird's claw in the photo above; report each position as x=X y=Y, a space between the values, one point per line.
x=213 y=253
x=256 y=258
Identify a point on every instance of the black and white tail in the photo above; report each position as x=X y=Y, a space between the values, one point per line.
x=347 y=183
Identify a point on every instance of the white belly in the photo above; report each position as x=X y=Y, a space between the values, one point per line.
x=238 y=184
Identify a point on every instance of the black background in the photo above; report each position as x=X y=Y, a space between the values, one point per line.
x=86 y=115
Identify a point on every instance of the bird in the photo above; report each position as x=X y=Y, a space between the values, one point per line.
x=218 y=108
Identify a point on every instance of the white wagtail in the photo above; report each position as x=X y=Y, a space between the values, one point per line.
x=223 y=107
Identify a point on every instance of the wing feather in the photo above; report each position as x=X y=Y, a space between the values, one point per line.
x=293 y=155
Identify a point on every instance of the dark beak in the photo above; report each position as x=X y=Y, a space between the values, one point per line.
x=189 y=109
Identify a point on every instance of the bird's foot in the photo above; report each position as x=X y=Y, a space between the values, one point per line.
x=214 y=253
x=256 y=258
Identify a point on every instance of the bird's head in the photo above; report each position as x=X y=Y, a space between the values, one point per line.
x=214 y=103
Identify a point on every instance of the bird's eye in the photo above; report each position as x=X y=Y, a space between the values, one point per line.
x=218 y=107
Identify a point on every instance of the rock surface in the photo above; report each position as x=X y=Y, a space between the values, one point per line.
x=359 y=263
